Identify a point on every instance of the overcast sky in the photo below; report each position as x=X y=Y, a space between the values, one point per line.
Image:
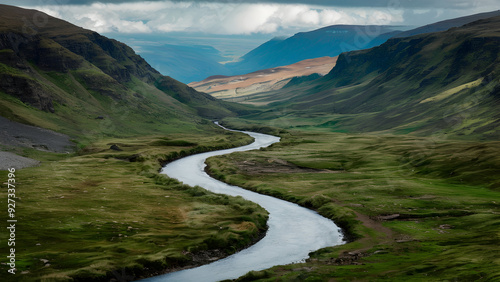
x=249 y=17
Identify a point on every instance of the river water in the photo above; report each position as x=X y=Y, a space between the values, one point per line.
x=293 y=231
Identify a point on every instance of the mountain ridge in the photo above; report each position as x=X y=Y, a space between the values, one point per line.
x=447 y=24
x=435 y=83
x=77 y=75
x=326 y=41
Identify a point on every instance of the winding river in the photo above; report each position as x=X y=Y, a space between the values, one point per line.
x=293 y=231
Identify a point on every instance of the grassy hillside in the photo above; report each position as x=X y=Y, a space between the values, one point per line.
x=62 y=77
x=442 y=83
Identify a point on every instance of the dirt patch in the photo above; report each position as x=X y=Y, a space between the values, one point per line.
x=348 y=258
x=375 y=225
x=386 y=235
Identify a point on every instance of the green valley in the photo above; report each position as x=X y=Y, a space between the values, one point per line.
x=398 y=145
x=412 y=207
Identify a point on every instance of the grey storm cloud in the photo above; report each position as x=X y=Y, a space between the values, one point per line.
x=448 y=4
x=249 y=17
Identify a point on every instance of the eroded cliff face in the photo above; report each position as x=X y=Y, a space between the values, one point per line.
x=27 y=90
x=16 y=75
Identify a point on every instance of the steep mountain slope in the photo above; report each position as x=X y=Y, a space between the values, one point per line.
x=438 y=83
x=328 y=41
x=62 y=77
x=230 y=87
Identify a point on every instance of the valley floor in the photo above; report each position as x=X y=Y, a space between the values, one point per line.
x=414 y=208
x=102 y=214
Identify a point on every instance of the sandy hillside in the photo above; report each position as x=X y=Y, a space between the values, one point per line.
x=225 y=87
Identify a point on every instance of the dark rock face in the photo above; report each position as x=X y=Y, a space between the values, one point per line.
x=27 y=90
x=112 y=57
x=9 y=58
x=51 y=56
x=16 y=81
x=43 y=52
x=12 y=40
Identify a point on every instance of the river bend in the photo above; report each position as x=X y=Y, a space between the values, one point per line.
x=293 y=231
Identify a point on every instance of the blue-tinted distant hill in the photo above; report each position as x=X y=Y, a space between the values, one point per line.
x=190 y=57
x=327 y=41
x=185 y=63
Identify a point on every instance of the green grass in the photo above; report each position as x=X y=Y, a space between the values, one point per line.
x=85 y=215
x=77 y=104
x=445 y=193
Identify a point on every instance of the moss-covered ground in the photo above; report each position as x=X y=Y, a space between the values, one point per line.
x=101 y=214
x=414 y=209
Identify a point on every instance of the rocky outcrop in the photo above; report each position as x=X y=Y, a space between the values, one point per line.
x=27 y=90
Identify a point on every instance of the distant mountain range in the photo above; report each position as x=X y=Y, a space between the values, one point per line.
x=331 y=41
x=435 y=83
x=194 y=62
x=62 y=77
x=328 y=41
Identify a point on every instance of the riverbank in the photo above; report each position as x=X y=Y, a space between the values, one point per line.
x=293 y=230
x=106 y=214
x=422 y=208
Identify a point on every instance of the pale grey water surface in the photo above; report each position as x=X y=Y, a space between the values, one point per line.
x=293 y=231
